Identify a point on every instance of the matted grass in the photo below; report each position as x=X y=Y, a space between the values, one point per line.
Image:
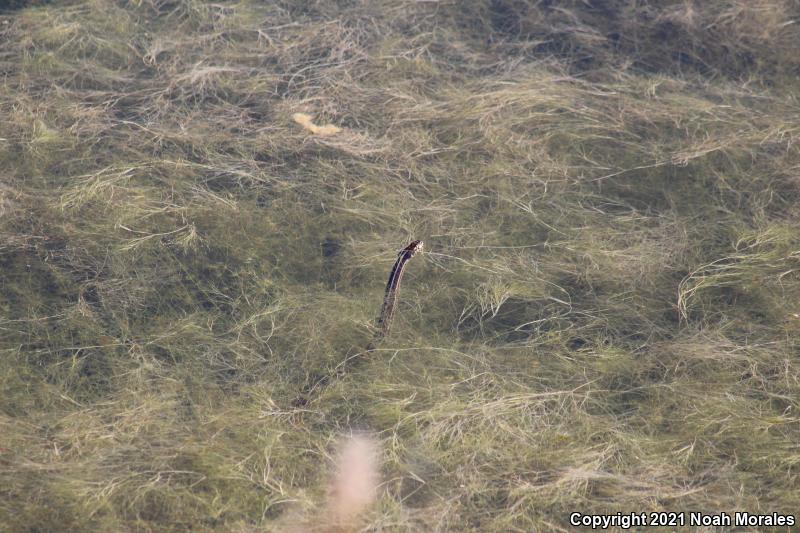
x=605 y=319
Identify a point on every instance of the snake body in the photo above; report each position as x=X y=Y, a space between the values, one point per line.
x=392 y=287
x=384 y=320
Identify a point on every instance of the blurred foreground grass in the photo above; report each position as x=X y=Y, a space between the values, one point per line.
x=606 y=319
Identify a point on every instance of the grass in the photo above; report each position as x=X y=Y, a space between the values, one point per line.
x=605 y=318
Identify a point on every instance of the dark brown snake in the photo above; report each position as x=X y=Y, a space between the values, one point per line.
x=392 y=287
x=384 y=320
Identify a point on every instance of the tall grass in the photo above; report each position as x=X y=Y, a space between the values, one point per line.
x=605 y=318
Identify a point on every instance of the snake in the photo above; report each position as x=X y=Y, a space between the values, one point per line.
x=384 y=320
x=392 y=288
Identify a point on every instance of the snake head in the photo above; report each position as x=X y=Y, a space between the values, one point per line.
x=413 y=248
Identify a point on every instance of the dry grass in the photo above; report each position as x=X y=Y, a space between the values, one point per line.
x=605 y=318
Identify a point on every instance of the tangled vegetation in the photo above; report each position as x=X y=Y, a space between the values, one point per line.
x=605 y=319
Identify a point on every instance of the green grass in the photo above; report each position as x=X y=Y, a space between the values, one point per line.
x=605 y=319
